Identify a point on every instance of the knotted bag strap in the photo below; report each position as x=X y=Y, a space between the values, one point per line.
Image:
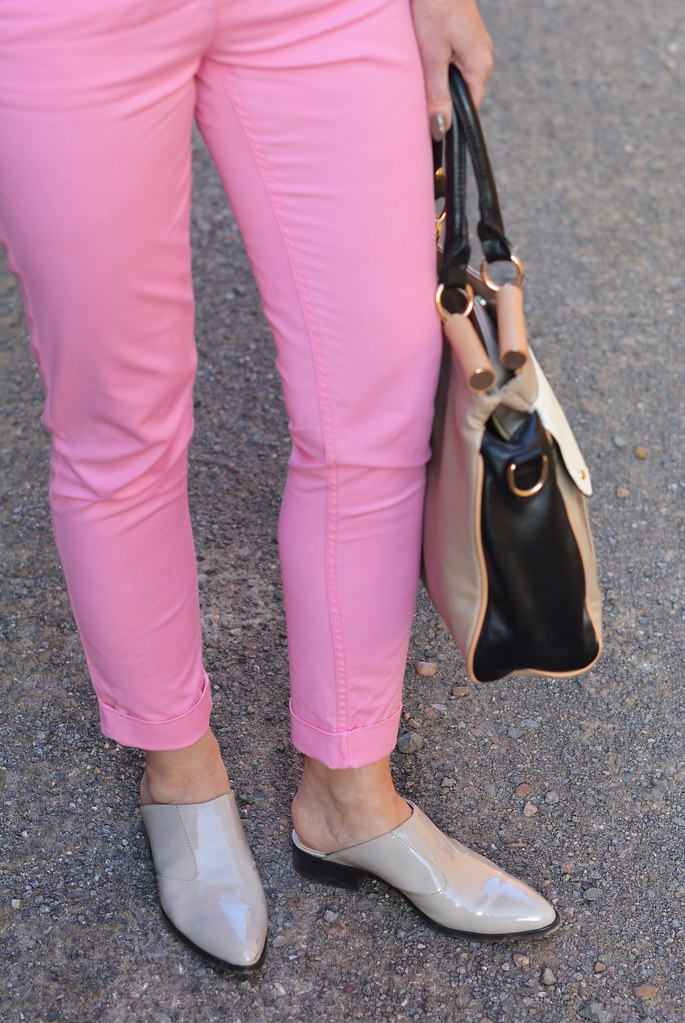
x=466 y=134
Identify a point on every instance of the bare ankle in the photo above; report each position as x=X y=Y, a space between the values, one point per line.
x=193 y=774
x=338 y=808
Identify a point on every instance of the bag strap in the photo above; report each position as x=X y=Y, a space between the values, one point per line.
x=466 y=133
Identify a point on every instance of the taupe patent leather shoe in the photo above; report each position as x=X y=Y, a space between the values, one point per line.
x=457 y=889
x=208 y=884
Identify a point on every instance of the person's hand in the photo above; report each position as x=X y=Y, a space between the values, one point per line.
x=451 y=32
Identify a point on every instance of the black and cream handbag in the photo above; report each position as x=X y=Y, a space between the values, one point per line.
x=508 y=557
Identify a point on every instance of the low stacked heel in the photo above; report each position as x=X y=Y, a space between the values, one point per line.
x=316 y=869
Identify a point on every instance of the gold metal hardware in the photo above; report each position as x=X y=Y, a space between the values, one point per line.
x=466 y=291
x=496 y=287
x=511 y=479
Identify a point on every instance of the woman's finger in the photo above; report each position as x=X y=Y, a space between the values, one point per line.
x=450 y=31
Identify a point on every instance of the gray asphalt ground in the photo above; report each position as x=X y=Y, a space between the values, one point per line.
x=585 y=118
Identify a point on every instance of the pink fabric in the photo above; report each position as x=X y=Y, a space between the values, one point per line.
x=313 y=111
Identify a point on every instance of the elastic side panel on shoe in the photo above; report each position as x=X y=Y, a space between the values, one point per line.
x=536 y=617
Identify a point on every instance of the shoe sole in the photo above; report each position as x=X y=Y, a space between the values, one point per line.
x=351 y=878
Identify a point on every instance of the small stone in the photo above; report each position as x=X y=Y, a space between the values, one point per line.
x=339 y=929
x=530 y=810
x=24 y=834
x=547 y=977
x=16 y=903
x=425 y=668
x=440 y=707
x=330 y=917
x=447 y=783
x=619 y=442
x=521 y=960
x=279 y=941
x=600 y=967
x=645 y=991
x=522 y=790
x=514 y=733
x=592 y=894
x=460 y=691
x=413 y=723
x=640 y=453
x=409 y=742
x=594 y=1011
x=552 y=797
x=279 y=990
x=622 y=493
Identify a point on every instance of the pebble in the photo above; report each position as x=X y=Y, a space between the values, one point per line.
x=622 y=493
x=547 y=977
x=409 y=742
x=522 y=790
x=330 y=917
x=530 y=810
x=279 y=990
x=640 y=452
x=521 y=960
x=447 y=783
x=645 y=991
x=16 y=903
x=592 y=894
x=440 y=707
x=552 y=797
x=595 y=1012
x=413 y=723
x=619 y=442
x=514 y=733
x=279 y=941
x=460 y=691
x=425 y=668
x=600 y=967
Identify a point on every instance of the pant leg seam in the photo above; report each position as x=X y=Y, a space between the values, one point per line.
x=325 y=414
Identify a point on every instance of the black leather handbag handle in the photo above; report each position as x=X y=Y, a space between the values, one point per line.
x=466 y=133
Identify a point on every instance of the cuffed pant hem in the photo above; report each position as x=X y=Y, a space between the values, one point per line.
x=173 y=733
x=354 y=748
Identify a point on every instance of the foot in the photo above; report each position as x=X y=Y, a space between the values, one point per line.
x=208 y=884
x=335 y=809
x=457 y=889
x=194 y=774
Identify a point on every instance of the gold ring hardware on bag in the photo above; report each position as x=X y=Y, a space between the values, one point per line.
x=531 y=491
x=466 y=291
x=439 y=226
x=487 y=280
x=465 y=343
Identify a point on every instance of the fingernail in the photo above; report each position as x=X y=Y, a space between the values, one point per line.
x=438 y=127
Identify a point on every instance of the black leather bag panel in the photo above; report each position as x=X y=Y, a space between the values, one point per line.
x=536 y=615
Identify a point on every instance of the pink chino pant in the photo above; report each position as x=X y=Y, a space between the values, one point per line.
x=314 y=113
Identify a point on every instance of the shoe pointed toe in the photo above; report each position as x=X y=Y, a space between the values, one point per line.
x=208 y=884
